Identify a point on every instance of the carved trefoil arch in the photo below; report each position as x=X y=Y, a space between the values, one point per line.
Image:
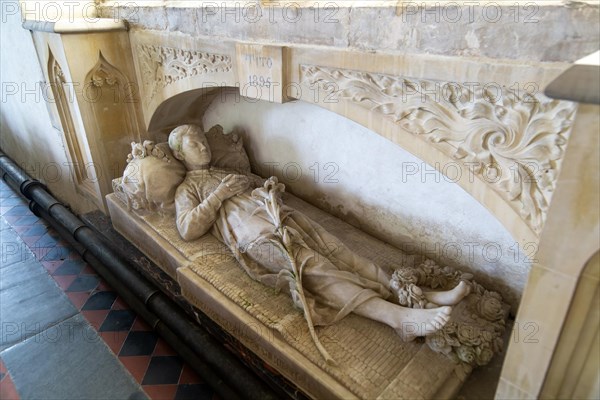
x=513 y=142
x=112 y=99
x=75 y=149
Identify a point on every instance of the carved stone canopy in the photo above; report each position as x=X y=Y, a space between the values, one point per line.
x=512 y=142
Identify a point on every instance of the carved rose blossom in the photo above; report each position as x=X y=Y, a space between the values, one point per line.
x=429 y=266
x=410 y=296
x=146 y=149
x=465 y=343
x=466 y=354
x=137 y=150
x=490 y=308
x=148 y=145
x=405 y=283
x=438 y=343
x=484 y=355
x=158 y=153
x=469 y=335
x=404 y=276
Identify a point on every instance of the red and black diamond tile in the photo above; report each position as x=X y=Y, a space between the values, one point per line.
x=148 y=358
x=7 y=387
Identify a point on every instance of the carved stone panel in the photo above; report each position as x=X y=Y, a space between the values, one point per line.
x=260 y=71
x=111 y=98
x=514 y=142
x=161 y=66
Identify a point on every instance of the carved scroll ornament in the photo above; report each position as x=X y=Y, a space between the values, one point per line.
x=161 y=66
x=514 y=142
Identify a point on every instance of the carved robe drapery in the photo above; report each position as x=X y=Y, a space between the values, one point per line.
x=335 y=280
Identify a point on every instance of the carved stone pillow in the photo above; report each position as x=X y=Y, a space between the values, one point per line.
x=151 y=177
x=227 y=150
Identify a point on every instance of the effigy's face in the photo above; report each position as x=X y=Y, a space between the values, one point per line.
x=195 y=150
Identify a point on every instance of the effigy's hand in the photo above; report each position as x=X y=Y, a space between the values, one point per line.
x=232 y=185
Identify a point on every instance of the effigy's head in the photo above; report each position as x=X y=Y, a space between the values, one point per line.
x=189 y=145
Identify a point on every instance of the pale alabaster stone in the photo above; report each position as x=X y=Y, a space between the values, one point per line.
x=281 y=247
x=370 y=359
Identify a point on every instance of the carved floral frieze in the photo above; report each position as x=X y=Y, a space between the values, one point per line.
x=513 y=141
x=161 y=66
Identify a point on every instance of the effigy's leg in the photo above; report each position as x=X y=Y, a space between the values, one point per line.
x=409 y=323
x=448 y=297
x=429 y=285
x=372 y=271
x=329 y=246
x=345 y=292
x=362 y=266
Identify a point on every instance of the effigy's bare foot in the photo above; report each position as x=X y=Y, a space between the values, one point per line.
x=415 y=322
x=449 y=297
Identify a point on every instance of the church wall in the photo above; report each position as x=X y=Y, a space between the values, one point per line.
x=27 y=133
x=547 y=31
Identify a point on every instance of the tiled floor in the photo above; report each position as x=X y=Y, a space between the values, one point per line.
x=152 y=363
x=7 y=387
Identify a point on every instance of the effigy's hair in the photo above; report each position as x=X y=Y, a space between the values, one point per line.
x=176 y=138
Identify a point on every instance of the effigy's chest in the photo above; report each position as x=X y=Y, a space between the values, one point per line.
x=209 y=184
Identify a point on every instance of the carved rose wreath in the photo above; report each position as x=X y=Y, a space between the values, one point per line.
x=474 y=333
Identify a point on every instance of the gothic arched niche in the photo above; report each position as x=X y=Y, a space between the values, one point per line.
x=353 y=173
x=75 y=150
x=112 y=98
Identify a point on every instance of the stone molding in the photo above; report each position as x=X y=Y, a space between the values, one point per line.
x=76 y=25
x=72 y=144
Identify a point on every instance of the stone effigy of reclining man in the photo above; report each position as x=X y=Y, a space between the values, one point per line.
x=283 y=248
